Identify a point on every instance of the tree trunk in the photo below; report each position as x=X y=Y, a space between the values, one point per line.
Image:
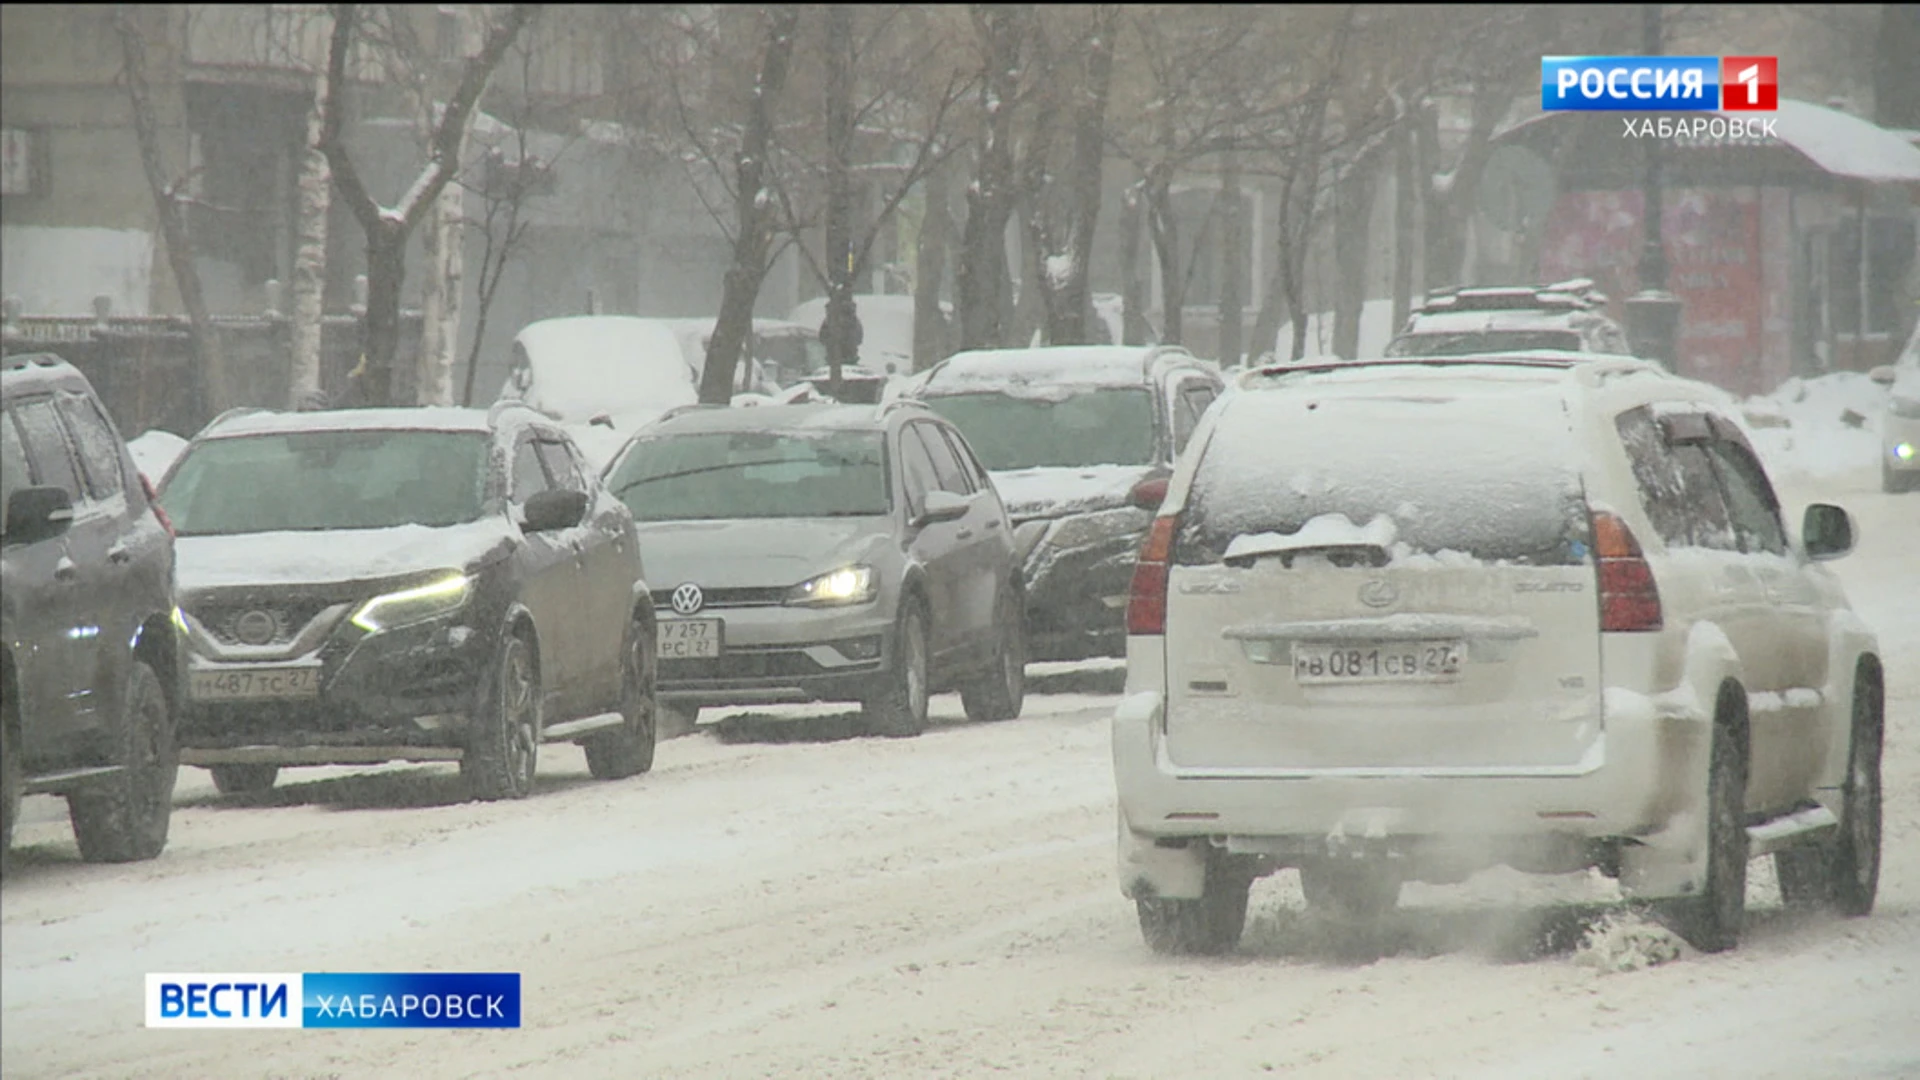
x=1165 y=229
x=841 y=333
x=1071 y=304
x=209 y=367
x=386 y=273
x=308 y=287
x=753 y=210
x=1405 y=206
x=1232 y=245
x=930 y=330
x=1134 y=327
x=1266 y=326
x=983 y=274
x=1896 y=77
x=440 y=304
x=1352 y=230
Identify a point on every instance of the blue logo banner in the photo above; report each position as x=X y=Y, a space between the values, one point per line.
x=1630 y=83
x=410 y=1000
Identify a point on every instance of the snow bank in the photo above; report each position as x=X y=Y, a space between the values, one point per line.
x=1326 y=530
x=1626 y=941
x=1820 y=441
x=154 y=452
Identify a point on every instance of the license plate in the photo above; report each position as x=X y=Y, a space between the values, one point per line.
x=1376 y=661
x=255 y=683
x=688 y=639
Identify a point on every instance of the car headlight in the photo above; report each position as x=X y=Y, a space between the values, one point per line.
x=847 y=585
x=409 y=606
x=1904 y=407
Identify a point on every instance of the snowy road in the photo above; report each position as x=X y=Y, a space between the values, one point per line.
x=796 y=903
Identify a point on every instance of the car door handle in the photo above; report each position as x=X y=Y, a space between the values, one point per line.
x=120 y=554
x=64 y=570
x=964 y=534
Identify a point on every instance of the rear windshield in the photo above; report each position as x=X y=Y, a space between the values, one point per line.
x=753 y=474
x=327 y=480
x=1483 y=341
x=1493 y=477
x=1066 y=429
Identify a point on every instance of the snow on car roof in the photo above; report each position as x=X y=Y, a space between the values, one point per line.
x=1058 y=365
x=588 y=364
x=770 y=418
x=1472 y=321
x=410 y=418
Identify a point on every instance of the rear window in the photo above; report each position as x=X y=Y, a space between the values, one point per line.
x=1067 y=428
x=1492 y=476
x=753 y=474
x=1485 y=341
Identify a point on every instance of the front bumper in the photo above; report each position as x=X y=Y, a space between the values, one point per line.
x=1076 y=591
x=773 y=655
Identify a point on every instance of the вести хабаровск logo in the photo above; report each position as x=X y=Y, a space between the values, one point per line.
x=333 y=1000
x=1660 y=83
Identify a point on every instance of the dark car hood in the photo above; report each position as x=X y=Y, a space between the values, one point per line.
x=755 y=552
x=1055 y=492
x=337 y=555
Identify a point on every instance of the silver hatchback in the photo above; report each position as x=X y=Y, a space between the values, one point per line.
x=826 y=553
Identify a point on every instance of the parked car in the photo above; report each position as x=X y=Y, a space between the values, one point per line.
x=1569 y=316
x=826 y=553
x=1406 y=620
x=92 y=665
x=1074 y=437
x=1900 y=428
x=601 y=376
x=413 y=584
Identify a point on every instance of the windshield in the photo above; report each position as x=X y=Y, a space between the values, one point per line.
x=1483 y=341
x=327 y=480
x=1093 y=426
x=753 y=474
x=1494 y=477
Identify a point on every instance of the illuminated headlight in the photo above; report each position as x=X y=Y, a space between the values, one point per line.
x=847 y=585
x=1906 y=407
x=414 y=605
x=1904 y=451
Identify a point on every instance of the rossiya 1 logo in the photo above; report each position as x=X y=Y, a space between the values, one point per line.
x=1660 y=83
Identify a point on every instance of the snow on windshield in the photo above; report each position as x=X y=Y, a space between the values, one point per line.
x=753 y=474
x=1491 y=475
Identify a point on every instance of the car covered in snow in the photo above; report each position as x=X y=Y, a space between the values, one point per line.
x=407 y=584
x=1567 y=316
x=90 y=675
x=1406 y=620
x=1900 y=428
x=601 y=376
x=1080 y=440
x=826 y=553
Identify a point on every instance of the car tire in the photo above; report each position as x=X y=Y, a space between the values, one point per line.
x=1711 y=921
x=898 y=709
x=1844 y=873
x=124 y=817
x=1209 y=926
x=1000 y=691
x=628 y=750
x=676 y=720
x=503 y=749
x=244 y=779
x=1359 y=890
x=11 y=781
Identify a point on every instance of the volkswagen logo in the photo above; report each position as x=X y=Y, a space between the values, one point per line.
x=688 y=599
x=256 y=627
x=1379 y=594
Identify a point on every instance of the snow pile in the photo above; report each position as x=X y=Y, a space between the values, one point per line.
x=1833 y=424
x=1626 y=942
x=154 y=452
x=1323 y=531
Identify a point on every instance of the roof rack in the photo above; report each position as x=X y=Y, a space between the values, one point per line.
x=237 y=410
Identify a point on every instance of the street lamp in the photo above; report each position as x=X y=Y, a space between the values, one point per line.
x=1653 y=313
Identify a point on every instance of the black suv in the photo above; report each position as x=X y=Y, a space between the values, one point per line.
x=412 y=584
x=86 y=607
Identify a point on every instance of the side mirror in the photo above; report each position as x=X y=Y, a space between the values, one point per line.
x=38 y=513
x=1827 y=531
x=550 y=510
x=1148 y=494
x=1883 y=374
x=942 y=506
x=603 y=420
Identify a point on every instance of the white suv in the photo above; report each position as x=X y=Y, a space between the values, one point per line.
x=1407 y=619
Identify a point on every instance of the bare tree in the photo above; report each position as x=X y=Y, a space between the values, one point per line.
x=169 y=202
x=388 y=228
x=991 y=195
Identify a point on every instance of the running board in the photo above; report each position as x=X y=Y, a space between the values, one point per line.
x=1789 y=830
x=54 y=783
x=586 y=725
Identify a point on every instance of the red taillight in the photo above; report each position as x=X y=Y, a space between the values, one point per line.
x=1629 y=597
x=166 y=522
x=1147 y=602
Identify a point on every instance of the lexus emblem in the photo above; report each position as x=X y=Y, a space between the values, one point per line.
x=1378 y=594
x=688 y=599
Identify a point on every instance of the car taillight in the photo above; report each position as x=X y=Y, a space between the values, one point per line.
x=166 y=522
x=1629 y=597
x=1147 y=601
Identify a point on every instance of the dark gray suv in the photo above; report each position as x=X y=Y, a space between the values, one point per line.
x=91 y=669
x=826 y=553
